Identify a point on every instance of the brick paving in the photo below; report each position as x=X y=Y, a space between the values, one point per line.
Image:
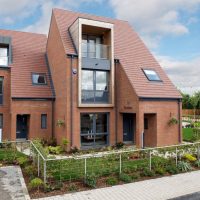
x=154 y=189
x=12 y=186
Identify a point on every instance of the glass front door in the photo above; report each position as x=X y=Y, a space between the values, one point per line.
x=94 y=129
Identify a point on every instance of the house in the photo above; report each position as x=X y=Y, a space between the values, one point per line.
x=92 y=81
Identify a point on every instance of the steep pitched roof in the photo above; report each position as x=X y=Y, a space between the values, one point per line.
x=28 y=55
x=129 y=49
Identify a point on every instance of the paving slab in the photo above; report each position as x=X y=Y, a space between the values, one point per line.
x=154 y=189
x=12 y=186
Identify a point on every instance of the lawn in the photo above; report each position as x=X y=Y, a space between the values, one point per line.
x=188 y=134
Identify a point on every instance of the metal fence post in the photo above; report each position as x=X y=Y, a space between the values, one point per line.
x=45 y=171
x=176 y=156
x=120 y=163
x=38 y=164
x=150 y=160
x=85 y=168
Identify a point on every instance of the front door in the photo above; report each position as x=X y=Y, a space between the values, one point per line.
x=128 y=127
x=22 y=127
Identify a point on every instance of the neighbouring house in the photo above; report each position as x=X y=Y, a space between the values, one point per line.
x=92 y=81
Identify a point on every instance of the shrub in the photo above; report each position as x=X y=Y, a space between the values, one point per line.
x=91 y=180
x=147 y=172
x=197 y=163
x=22 y=161
x=125 y=178
x=55 y=150
x=30 y=170
x=119 y=145
x=160 y=171
x=64 y=142
x=135 y=176
x=111 y=181
x=172 y=169
x=73 y=187
x=38 y=144
x=36 y=183
x=52 y=187
x=184 y=166
x=52 y=142
x=190 y=157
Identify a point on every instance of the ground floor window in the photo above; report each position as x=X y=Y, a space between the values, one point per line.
x=44 y=121
x=94 y=129
x=1 y=121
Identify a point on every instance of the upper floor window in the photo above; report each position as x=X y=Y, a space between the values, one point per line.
x=3 y=56
x=92 y=47
x=1 y=90
x=1 y=120
x=39 y=79
x=94 y=86
x=151 y=75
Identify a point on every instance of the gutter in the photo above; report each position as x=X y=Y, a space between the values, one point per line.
x=179 y=117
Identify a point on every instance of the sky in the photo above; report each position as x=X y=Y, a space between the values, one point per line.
x=170 y=28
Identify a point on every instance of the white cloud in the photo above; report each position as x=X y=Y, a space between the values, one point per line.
x=155 y=18
x=184 y=74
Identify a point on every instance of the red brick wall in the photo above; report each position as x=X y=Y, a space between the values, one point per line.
x=5 y=108
x=34 y=109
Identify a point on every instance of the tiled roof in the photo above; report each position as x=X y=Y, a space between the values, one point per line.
x=129 y=49
x=28 y=55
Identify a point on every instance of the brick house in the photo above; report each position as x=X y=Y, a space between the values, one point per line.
x=92 y=81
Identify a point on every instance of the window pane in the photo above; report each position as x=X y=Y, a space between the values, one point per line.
x=84 y=46
x=43 y=121
x=101 y=139
x=101 y=80
x=1 y=120
x=3 y=56
x=151 y=75
x=92 y=48
x=87 y=96
x=1 y=85
x=101 y=96
x=87 y=124
x=39 y=79
x=87 y=80
x=101 y=123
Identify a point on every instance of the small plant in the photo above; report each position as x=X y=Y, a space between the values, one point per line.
x=135 y=177
x=197 y=163
x=65 y=142
x=74 y=150
x=184 y=166
x=91 y=180
x=172 y=169
x=173 y=121
x=147 y=172
x=55 y=150
x=125 y=178
x=60 y=123
x=119 y=145
x=190 y=157
x=112 y=181
x=22 y=161
x=52 y=142
x=36 y=183
x=73 y=187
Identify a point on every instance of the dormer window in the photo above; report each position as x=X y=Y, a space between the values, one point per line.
x=39 y=79
x=3 y=56
x=151 y=75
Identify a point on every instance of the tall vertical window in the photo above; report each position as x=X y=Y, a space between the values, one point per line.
x=43 y=121
x=94 y=86
x=94 y=129
x=1 y=121
x=3 y=56
x=1 y=90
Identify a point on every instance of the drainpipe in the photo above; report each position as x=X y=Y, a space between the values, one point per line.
x=52 y=119
x=71 y=100
x=179 y=117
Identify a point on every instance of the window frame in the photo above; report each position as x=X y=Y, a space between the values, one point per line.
x=1 y=103
x=145 y=69
x=40 y=74
x=1 y=117
x=44 y=115
x=94 y=121
x=94 y=91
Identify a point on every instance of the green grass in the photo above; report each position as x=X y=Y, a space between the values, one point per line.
x=187 y=134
